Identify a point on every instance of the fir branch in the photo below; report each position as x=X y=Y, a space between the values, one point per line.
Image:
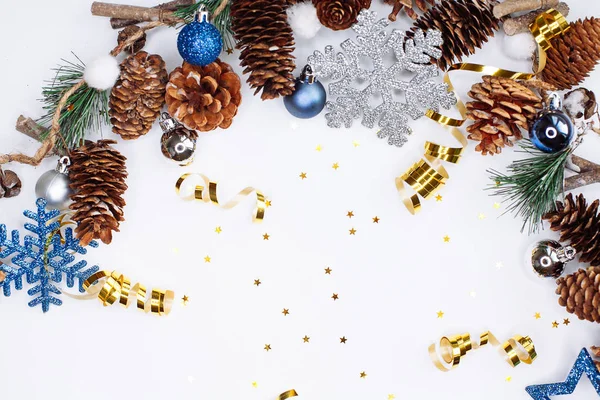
x=86 y=109
x=533 y=184
x=222 y=20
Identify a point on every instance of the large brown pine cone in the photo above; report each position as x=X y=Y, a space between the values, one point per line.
x=97 y=176
x=138 y=95
x=408 y=7
x=574 y=54
x=339 y=14
x=204 y=98
x=579 y=224
x=265 y=39
x=465 y=25
x=501 y=108
x=580 y=293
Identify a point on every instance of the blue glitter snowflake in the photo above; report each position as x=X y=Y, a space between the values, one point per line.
x=43 y=259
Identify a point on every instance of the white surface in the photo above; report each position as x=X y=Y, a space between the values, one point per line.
x=392 y=278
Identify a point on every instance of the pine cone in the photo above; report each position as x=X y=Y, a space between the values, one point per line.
x=10 y=184
x=204 y=98
x=580 y=225
x=138 y=95
x=266 y=42
x=339 y=14
x=502 y=106
x=129 y=31
x=408 y=7
x=97 y=178
x=574 y=54
x=465 y=26
x=580 y=293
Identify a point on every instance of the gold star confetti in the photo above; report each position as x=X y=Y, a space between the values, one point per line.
x=508 y=378
x=267 y=347
x=229 y=50
x=481 y=216
x=472 y=293
x=440 y=314
x=335 y=166
x=306 y=339
x=537 y=315
x=499 y=265
x=376 y=219
x=498 y=183
x=207 y=259
x=319 y=148
x=438 y=198
x=343 y=340
x=218 y=229
x=255 y=384
x=176 y=250
x=328 y=271
x=496 y=205
x=446 y=239
x=268 y=203
x=566 y=321
x=285 y=311
x=555 y=324
x=257 y=282
x=355 y=143
x=266 y=236
x=302 y=175
x=391 y=397
x=335 y=297
x=363 y=374
x=352 y=231
x=350 y=214
x=185 y=300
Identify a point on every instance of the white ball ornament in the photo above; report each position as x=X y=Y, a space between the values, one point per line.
x=303 y=19
x=520 y=46
x=102 y=73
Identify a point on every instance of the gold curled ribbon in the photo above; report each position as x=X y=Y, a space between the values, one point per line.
x=287 y=395
x=452 y=349
x=427 y=175
x=201 y=194
x=111 y=287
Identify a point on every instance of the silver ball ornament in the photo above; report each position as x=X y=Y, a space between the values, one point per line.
x=177 y=142
x=53 y=186
x=548 y=258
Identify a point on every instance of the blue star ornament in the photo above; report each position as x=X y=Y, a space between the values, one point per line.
x=584 y=364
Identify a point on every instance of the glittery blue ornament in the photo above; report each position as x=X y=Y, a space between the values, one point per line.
x=199 y=42
x=583 y=365
x=553 y=130
x=309 y=97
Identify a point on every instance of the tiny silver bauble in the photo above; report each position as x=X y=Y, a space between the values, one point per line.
x=548 y=258
x=53 y=186
x=177 y=142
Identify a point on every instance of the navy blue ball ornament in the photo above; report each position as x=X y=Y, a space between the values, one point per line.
x=200 y=42
x=309 y=97
x=553 y=130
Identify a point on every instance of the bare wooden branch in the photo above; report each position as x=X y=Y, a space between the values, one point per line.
x=590 y=173
x=512 y=6
x=132 y=12
x=118 y=23
x=512 y=26
x=30 y=128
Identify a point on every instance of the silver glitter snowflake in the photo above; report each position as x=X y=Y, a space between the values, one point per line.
x=412 y=55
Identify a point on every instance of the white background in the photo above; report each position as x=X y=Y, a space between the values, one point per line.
x=391 y=277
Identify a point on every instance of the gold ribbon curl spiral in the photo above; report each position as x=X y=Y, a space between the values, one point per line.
x=200 y=193
x=427 y=176
x=452 y=349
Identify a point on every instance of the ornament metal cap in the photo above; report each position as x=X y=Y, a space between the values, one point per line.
x=63 y=164
x=308 y=75
x=554 y=101
x=202 y=14
x=566 y=253
x=167 y=123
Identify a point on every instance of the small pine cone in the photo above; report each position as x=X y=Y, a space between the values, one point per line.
x=127 y=33
x=339 y=14
x=501 y=108
x=265 y=39
x=10 y=184
x=579 y=225
x=580 y=293
x=465 y=25
x=138 y=95
x=204 y=98
x=97 y=176
x=574 y=54
x=408 y=7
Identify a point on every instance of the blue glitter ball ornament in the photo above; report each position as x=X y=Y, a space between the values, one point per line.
x=553 y=130
x=309 y=97
x=199 y=42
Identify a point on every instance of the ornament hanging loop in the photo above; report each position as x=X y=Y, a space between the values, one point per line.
x=202 y=14
x=63 y=164
x=308 y=74
x=167 y=123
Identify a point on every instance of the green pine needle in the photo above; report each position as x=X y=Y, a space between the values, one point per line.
x=533 y=184
x=222 y=21
x=86 y=109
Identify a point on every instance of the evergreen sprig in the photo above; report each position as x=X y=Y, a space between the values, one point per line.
x=533 y=184
x=87 y=108
x=222 y=21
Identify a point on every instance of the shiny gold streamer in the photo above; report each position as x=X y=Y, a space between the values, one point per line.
x=452 y=349
x=201 y=194
x=287 y=395
x=112 y=287
x=427 y=175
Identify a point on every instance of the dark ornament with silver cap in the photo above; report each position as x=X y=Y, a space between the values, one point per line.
x=54 y=186
x=553 y=129
x=177 y=142
x=309 y=96
x=548 y=258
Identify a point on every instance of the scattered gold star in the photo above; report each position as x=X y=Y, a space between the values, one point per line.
x=267 y=347
x=440 y=314
x=350 y=214
x=285 y=311
x=185 y=300
x=255 y=384
x=481 y=216
x=229 y=50
x=328 y=271
x=268 y=203
x=207 y=259
x=352 y=231
x=356 y=143
x=335 y=297
x=257 y=282
x=438 y=198
x=376 y=219
x=508 y=378
x=472 y=293
x=496 y=205
x=306 y=339
x=498 y=183
x=303 y=175
x=555 y=324
x=363 y=374
x=266 y=236
x=391 y=397
x=343 y=339
x=335 y=166
x=176 y=250
x=218 y=229
x=319 y=148
x=446 y=239
x=566 y=321
x=499 y=265
x=537 y=315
